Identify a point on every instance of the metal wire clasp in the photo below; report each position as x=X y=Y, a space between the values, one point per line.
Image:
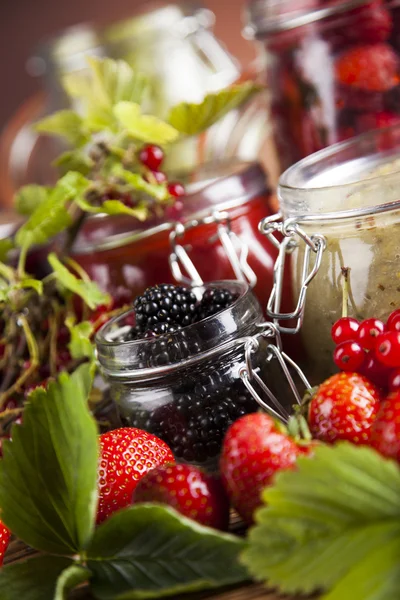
x=236 y=250
x=315 y=246
x=250 y=376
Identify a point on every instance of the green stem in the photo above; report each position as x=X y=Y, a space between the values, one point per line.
x=22 y=262
x=345 y=291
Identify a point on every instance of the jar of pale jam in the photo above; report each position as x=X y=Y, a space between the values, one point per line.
x=340 y=216
x=332 y=69
x=215 y=236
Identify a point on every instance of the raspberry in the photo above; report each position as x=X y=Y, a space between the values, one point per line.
x=368 y=67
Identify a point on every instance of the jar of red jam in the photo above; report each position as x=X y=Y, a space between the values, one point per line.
x=221 y=211
x=332 y=69
x=188 y=386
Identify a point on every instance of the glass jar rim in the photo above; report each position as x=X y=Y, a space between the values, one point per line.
x=348 y=167
x=260 y=24
x=220 y=332
x=234 y=189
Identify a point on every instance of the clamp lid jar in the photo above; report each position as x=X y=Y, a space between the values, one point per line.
x=187 y=387
x=340 y=210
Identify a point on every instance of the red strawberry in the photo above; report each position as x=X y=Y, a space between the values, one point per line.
x=126 y=455
x=5 y=535
x=344 y=408
x=385 y=433
x=253 y=451
x=369 y=67
x=189 y=490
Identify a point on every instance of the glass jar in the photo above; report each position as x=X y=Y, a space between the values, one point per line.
x=349 y=194
x=123 y=255
x=332 y=69
x=187 y=387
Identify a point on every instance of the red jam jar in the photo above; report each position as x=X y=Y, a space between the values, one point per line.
x=125 y=256
x=332 y=67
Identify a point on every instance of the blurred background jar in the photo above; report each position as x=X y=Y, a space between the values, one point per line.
x=175 y=47
x=332 y=69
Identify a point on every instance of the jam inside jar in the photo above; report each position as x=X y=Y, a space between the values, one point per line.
x=332 y=69
x=186 y=387
x=349 y=194
x=123 y=255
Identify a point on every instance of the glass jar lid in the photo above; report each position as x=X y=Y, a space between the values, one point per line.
x=212 y=336
x=350 y=179
x=214 y=186
x=265 y=17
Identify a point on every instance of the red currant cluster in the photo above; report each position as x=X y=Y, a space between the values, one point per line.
x=152 y=157
x=371 y=348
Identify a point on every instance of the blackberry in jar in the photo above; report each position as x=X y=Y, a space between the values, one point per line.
x=185 y=385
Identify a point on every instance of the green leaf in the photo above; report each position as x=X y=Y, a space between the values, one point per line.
x=87 y=290
x=113 y=207
x=33 y=579
x=64 y=123
x=80 y=345
x=48 y=474
x=29 y=197
x=325 y=520
x=69 y=579
x=136 y=181
x=51 y=216
x=191 y=119
x=5 y=246
x=28 y=282
x=145 y=128
x=115 y=81
x=149 y=551
x=74 y=160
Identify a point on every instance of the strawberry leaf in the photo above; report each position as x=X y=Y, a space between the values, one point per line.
x=51 y=216
x=88 y=290
x=74 y=160
x=324 y=523
x=29 y=197
x=67 y=124
x=48 y=474
x=145 y=128
x=136 y=181
x=69 y=579
x=33 y=579
x=191 y=119
x=149 y=551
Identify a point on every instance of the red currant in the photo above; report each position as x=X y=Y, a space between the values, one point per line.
x=393 y=322
x=375 y=371
x=349 y=356
x=151 y=156
x=174 y=212
x=394 y=380
x=388 y=348
x=369 y=331
x=344 y=330
x=176 y=189
x=156 y=176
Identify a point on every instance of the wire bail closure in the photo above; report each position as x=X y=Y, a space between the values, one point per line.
x=182 y=267
x=315 y=245
x=250 y=377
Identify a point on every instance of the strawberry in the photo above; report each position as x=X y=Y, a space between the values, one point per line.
x=126 y=455
x=344 y=408
x=385 y=433
x=5 y=535
x=253 y=451
x=189 y=490
x=368 y=67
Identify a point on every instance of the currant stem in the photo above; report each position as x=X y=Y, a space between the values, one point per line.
x=345 y=291
x=22 y=262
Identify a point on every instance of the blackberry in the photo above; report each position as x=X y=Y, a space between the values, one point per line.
x=165 y=303
x=213 y=301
